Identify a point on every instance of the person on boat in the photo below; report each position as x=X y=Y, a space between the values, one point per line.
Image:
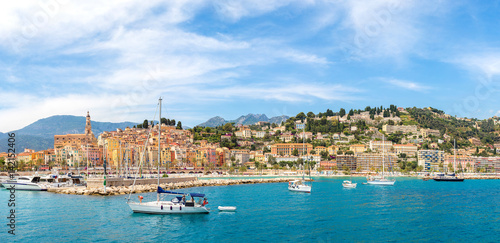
x=204 y=202
x=184 y=199
x=140 y=199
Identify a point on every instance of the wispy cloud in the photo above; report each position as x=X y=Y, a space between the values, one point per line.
x=486 y=63
x=405 y=84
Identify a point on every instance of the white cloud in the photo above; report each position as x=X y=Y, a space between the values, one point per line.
x=237 y=9
x=405 y=84
x=484 y=63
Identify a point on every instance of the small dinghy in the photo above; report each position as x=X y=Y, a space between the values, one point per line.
x=227 y=208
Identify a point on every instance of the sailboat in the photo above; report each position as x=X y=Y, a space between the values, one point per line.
x=179 y=204
x=381 y=180
x=300 y=185
x=451 y=176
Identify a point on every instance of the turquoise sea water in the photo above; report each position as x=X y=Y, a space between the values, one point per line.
x=412 y=210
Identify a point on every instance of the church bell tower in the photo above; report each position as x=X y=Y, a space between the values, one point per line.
x=88 y=127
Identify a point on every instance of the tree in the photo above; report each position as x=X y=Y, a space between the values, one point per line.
x=310 y=114
x=21 y=165
x=145 y=124
x=276 y=166
x=351 y=112
x=313 y=151
x=295 y=152
x=324 y=155
x=349 y=152
x=2 y=163
x=301 y=116
x=348 y=117
x=342 y=112
x=329 y=112
x=179 y=125
x=228 y=127
x=242 y=169
x=320 y=169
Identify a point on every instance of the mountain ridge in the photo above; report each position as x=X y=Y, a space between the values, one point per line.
x=39 y=135
x=248 y=119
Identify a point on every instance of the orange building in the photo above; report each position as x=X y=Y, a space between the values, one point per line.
x=287 y=148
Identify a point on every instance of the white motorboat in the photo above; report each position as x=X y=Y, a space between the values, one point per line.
x=177 y=205
x=227 y=208
x=25 y=183
x=299 y=186
x=52 y=181
x=349 y=184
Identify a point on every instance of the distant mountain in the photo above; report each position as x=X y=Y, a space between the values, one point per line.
x=278 y=119
x=245 y=120
x=213 y=122
x=40 y=134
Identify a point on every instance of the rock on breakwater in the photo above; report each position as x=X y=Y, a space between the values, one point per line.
x=123 y=190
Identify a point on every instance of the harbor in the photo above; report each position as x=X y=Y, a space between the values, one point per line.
x=413 y=210
x=95 y=185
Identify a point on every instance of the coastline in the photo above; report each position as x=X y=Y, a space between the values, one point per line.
x=217 y=181
x=123 y=190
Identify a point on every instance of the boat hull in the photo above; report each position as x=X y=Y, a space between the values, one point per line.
x=155 y=208
x=448 y=179
x=302 y=188
x=24 y=186
x=349 y=185
x=381 y=183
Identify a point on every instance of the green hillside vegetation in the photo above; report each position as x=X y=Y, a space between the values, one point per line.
x=459 y=129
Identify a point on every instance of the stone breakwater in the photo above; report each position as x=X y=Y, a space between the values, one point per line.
x=123 y=190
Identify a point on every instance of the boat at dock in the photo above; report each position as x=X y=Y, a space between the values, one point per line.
x=381 y=180
x=450 y=176
x=447 y=177
x=300 y=185
x=25 y=183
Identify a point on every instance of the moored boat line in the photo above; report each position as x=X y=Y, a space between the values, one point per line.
x=122 y=190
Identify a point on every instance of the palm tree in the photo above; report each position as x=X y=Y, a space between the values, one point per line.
x=64 y=163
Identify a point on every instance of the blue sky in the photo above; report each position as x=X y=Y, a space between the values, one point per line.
x=230 y=58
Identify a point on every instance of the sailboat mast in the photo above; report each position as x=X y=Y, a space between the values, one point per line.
x=383 y=156
x=159 y=150
x=454 y=154
x=303 y=148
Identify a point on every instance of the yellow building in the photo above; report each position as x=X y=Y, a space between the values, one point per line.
x=357 y=148
x=320 y=149
x=332 y=150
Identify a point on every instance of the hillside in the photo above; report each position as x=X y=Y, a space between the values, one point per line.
x=249 y=119
x=40 y=134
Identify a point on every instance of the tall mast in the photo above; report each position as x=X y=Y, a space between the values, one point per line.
x=383 y=155
x=454 y=154
x=303 y=148
x=159 y=154
x=159 y=150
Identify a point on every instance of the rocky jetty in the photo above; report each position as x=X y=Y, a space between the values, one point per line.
x=123 y=190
